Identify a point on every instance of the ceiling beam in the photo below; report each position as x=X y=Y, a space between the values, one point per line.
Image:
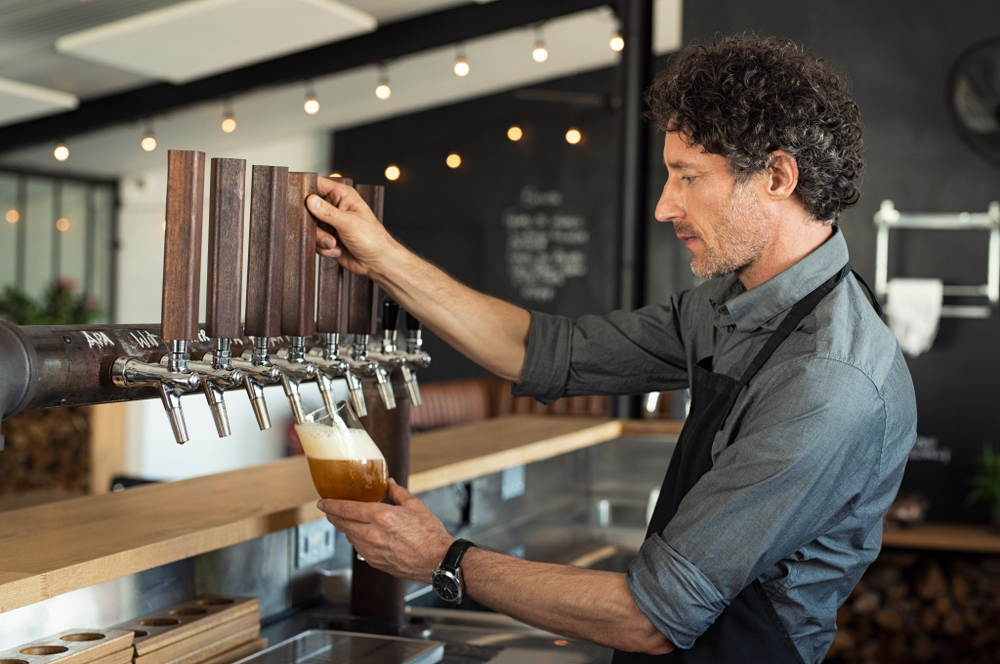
x=392 y=40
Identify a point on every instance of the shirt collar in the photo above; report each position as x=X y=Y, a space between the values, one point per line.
x=754 y=308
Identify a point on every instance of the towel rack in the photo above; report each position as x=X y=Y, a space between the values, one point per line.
x=888 y=218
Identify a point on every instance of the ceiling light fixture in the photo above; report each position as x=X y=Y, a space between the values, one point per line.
x=335 y=174
x=539 y=53
x=148 y=141
x=382 y=90
x=617 y=43
x=573 y=136
x=228 y=119
x=514 y=133
x=311 y=105
x=453 y=160
x=461 y=64
x=61 y=153
x=392 y=172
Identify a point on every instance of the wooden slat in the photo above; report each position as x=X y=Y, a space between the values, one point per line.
x=298 y=299
x=182 y=244
x=52 y=549
x=266 y=255
x=329 y=295
x=362 y=293
x=221 y=632
x=225 y=249
x=236 y=654
x=226 y=648
x=193 y=617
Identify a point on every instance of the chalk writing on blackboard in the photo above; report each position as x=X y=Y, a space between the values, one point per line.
x=545 y=247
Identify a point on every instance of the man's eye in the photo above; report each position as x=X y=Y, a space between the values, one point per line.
x=688 y=178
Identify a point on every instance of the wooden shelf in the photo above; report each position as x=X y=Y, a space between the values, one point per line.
x=58 y=547
x=961 y=537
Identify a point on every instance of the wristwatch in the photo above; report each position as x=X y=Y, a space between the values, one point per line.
x=447 y=578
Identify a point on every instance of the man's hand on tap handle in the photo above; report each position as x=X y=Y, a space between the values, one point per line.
x=457 y=314
x=361 y=242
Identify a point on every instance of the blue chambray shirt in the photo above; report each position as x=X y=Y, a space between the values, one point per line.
x=808 y=461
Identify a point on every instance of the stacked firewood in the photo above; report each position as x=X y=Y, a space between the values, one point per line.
x=46 y=450
x=911 y=607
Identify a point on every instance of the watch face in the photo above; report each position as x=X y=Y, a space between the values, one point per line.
x=447 y=586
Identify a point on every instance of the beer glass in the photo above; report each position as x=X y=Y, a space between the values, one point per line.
x=344 y=461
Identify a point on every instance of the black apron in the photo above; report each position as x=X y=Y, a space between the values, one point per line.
x=748 y=630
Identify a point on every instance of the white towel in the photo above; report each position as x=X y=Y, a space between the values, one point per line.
x=914 y=309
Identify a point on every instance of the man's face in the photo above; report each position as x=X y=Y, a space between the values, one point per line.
x=724 y=225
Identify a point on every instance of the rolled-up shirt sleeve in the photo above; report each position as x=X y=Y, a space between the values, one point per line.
x=808 y=451
x=619 y=353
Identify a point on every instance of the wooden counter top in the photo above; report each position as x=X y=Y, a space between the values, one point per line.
x=51 y=549
x=963 y=537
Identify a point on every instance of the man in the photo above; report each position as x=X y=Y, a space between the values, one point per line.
x=802 y=412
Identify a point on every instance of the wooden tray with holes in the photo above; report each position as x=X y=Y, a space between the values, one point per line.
x=75 y=646
x=213 y=614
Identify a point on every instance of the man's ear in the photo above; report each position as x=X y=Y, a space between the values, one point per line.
x=783 y=175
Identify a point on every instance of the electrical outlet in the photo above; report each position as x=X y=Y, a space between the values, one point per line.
x=512 y=482
x=314 y=542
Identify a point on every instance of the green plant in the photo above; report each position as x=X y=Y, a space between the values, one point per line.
x=986 y=483
x=57 y=306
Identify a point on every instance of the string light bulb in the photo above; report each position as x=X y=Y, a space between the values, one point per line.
x=617 y=43
x=461 y=64
x=148 y=141
x=539 y=53
x=382 y=90
x=228 y=120
x=514 y=133
x=12 y=216
x=453 y=160
x=573 y=136
x=311 y=105
x=62 y=225
x=392 y=172
x=61 y=153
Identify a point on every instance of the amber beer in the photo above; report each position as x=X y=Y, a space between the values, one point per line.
x=344 y=461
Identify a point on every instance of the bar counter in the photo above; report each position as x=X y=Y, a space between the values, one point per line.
x=51 y=549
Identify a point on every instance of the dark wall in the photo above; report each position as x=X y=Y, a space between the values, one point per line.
x=897 y=55
x=530 y=221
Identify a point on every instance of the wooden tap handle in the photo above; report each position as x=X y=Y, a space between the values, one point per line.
x=225 y=249
x=329 y=289
x=298 y=299
x=266 y=256
x=362 y=293
x=182 y=244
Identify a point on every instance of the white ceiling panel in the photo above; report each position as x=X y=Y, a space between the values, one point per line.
x=20 y=101
x=198 y=38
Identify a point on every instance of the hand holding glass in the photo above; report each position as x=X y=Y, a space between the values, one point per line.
x=344 y=461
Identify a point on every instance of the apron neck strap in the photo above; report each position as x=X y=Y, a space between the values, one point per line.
x=799 y=310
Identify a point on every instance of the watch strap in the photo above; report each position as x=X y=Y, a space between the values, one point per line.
x=456 y=552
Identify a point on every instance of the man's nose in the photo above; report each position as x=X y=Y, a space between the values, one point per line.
x=667 y=208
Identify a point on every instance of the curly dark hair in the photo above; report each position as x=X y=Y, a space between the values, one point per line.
x=742 y=97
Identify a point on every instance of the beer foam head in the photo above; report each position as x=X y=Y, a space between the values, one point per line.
x=336 y=443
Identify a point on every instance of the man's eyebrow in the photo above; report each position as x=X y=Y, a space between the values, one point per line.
x=679 y=165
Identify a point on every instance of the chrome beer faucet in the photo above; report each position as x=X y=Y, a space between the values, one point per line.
x=171 y=377
x=364 y=366
x=329 y=367
x=390 y=356
x=414 y=357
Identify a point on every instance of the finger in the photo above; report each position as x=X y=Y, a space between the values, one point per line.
x=326 y=242
x=351 y=510
x=399 y=494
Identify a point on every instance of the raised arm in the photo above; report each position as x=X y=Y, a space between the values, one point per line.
x=461 y=316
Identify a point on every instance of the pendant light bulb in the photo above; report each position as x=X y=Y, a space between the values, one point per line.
x=461 y=67
x=228 y=120
x=382 y=90
x=61 y=153
x=617 y=43
x=148 y=142
x=311 y=106
x=539 y=53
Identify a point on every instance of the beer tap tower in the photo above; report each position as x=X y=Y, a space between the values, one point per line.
x=225 y=279
x=330 y=365
x=362 y=300
x=181 y=283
